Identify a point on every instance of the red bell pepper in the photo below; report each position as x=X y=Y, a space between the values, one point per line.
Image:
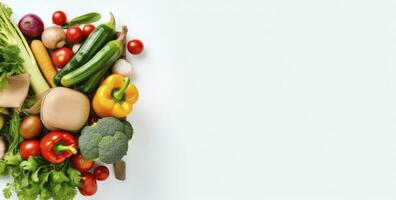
x=56 y=146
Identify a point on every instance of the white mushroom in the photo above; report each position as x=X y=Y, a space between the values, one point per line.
x=53 y=37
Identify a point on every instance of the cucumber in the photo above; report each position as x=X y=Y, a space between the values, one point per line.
x=95 y=41
x=102 y=60
x=90 y=85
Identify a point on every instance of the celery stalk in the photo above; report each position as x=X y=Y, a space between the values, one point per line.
x=11 y=35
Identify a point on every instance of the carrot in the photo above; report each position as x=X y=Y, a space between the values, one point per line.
x=44 y=61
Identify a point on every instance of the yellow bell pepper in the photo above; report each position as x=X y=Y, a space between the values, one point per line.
x=115 y=97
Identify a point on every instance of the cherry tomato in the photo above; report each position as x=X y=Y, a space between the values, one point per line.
x=61 y=56
x=80 y=163
x=30 y=127
x=29 y=148
x=89 y=185
x=74 y=34
x=101 y=173
x=59 y=17
x=135 y=46
x=87 y=29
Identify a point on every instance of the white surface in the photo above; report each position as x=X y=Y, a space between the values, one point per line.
x=256 y=99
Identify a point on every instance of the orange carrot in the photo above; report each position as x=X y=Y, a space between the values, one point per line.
x=44 y=61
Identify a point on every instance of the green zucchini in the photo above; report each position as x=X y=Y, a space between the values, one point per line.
x=96 y=40
x=102 y=60
x=90 y=85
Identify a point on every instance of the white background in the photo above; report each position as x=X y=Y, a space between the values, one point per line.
x=256 y=99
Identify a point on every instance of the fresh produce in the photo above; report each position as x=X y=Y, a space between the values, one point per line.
x=30 y=127
x=122 y=67
x=89 y=185
x=31 y=25
x=3 y=148
x=83 y=19
x=64 y=109
x=102 y=60
x=10 y=39
x=99 y=37
x=82 y=164
x=10 y=63
x=62 y=56
x=107 y=140
x=29 y=148
x=57 y=146
x=35 y=178
x=44 y=61
x=53 y=37
x=115 y=97
x=59 y=17
x=37 y=150
x=92 y=83
x=135 y=46
x=101 y=173
x=88 y=29
x=74 y=34
x=11 y=134
x=120 y=170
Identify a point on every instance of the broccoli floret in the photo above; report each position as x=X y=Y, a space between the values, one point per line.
x=88 y=142
x=109 y=125
x=113 y=148
x=107 y=140
x=128 y=129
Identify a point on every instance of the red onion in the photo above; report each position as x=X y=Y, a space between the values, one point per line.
x=31 y=25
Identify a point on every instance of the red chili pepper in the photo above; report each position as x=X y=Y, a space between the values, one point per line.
x=56 y=146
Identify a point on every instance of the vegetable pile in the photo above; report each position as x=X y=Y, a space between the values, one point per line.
x=65 y=92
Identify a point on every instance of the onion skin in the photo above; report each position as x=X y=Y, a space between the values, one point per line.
x=31 y=25
x=122 y=67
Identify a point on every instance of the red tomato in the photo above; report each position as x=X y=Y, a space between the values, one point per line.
x=89 y=185
x=74 y=34
x=29 y=148
x=59 y=17
x=101 y=173
x=61 y=56
x=135 y=46
x=80 y=163
x=87 y=29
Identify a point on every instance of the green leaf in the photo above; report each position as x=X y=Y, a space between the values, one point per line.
x=59 y=177
x=83 y=19
x=25 y=180
x=10 y=63
x=45 y=194
x=44 y=177
x=67 y=192
x=7 y=192
x=30 y=164
x=3 y=167
x=29 y=193
x=74 y=176
x=12 y=159
x=35 y=176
